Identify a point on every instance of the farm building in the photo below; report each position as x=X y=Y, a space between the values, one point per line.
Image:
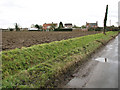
x=24 y=29
x=4 y=29
x=47 y=26
x=32 y=29
x=93 y=25
x=68 y=25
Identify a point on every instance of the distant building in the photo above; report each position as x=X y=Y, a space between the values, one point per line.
x=32 y=29
x=5 y=29
x=93 y=25
x=68 y=25
x=47 y=26
x=24 y=29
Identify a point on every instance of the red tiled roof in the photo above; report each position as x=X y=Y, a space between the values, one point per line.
x=48 y=24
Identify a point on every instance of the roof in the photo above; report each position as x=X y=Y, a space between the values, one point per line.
x=92 y=24
x=32 y=29
x=49 y=24
x=68 y=24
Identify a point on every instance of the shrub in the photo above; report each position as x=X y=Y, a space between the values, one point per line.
x=11 y=29
x=63 y=29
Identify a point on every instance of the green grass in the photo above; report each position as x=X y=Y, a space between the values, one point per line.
x=37 y=65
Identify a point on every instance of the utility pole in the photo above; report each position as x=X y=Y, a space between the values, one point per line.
x=105 y=19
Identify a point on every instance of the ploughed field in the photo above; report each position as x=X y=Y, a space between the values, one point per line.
x=12 y=40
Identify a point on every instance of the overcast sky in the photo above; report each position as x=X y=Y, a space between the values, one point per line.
x=78 y=12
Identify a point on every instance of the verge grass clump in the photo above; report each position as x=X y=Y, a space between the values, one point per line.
x=37 y=65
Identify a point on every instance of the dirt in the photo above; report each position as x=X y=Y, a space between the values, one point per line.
x=12 y=40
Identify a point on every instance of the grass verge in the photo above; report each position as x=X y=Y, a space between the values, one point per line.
x=38 y=66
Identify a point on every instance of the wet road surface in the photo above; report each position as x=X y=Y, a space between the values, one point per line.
x=100 y=72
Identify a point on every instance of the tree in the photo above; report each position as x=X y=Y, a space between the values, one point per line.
x=105 y=19
x=17 y=27
x=11 y=29
x=52 y=27
x=118 y=27
x=74 y=26
x=37 y=26
x=41 y=27
x=60 y=25
x=83 y=26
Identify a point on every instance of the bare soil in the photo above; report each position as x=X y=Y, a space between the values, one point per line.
x=12 y=40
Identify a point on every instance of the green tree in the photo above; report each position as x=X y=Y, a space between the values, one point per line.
x=41 y=27
x=105 y=19
x=37 y=26
x=17 y=27
x=60 y=25
x=11 y=29
x=75 y=26
x=52 y=27
x=83 y=26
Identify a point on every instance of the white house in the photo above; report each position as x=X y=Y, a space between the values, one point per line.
x=32 y=29
x=68 y=25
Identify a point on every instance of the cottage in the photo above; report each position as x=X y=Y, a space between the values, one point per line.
x=47 y=26
x=93 y=25
x=68 y=25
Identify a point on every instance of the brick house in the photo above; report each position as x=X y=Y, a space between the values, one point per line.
x=93 y=25
x=48 y=25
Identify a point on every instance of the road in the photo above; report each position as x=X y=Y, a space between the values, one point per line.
x=99 y=72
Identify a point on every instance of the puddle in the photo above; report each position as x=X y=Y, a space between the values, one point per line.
x=102 y=59
x=106 y=60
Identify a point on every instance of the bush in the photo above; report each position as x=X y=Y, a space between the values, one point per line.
x=91 y=29
x=95 y=29
x=63 y=29
x=112 y=29
x=11 y=29
x=98 y=29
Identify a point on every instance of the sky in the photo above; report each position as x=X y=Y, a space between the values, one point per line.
x=77 y=12
x=119 y=13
